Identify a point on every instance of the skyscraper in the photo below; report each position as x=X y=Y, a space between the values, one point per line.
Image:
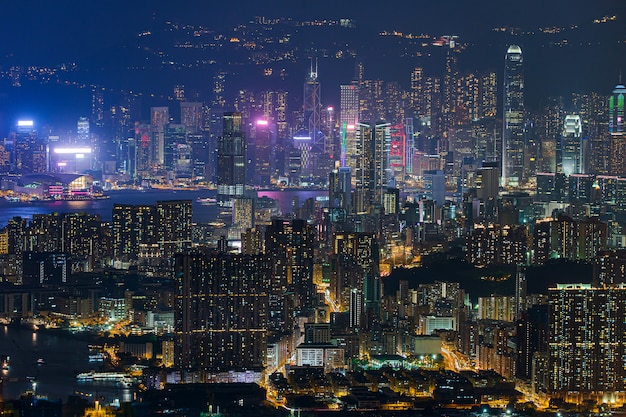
x=349 y=116
x=617 y=131
x=372 y=165
x=231 y=157
x=513 y=116
x=571 y=149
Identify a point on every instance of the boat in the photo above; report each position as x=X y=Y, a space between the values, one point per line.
x=208 y=201
x=4 y=362
x=41 y=361
x=102 y=376
x=98 y=357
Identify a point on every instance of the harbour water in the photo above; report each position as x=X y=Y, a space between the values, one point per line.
x=48 y=362
x=201 y=213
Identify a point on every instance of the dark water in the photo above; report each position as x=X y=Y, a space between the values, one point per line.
x=63 y=357
x=104 y=208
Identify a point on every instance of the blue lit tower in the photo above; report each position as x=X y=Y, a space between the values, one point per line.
x=513 y=117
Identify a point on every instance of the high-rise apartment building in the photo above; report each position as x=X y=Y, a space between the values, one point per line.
x=222 y=312
x=513 y=142
x=132 y=227
x=291 y=245
x=174 y=226
x=587 y=342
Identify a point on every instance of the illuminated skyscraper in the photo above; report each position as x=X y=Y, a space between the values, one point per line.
x=372 y=163
x=617 y=131
x=82 y=131
x=312 y=110
x=571 y=161
x=513 y=116
x=349 y=116
x=261 y=151
x=159 y=118
x=231 y=157
x=191 y=116
x=616 y=110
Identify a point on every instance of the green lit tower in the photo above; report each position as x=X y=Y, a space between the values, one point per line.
x=616 y=110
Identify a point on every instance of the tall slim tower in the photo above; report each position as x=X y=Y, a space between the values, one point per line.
x=513 y=117
x=231 y=158
x=312 y=110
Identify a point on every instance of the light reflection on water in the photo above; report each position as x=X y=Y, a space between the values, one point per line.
x=62 y=358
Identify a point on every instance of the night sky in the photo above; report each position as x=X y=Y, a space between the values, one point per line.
x=48 y=33
x=42 y=30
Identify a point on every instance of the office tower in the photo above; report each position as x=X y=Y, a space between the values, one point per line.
x=397 y=155
x=349 y=117
x=261 y=151
x=133 y=226
x=82 y=131
x=372 y=171
x=513 y=143
x=291 y=246
x=435 y=186
x=572 y=150
x=97 y=107
x=450 y=78
x=28 y=150
x=173 y=136
x=616 y=110
x=191 y=116
x=340 y=189
x=222 y=312
x=312 y=110
x=488 y=182
x=488 y=95
x=159 y=118
x=141 y=153
x=617 y=131
x=416 y=99
x=173 y=226
x=587 y=341
x=231 y=158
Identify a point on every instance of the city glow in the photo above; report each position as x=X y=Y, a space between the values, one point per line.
x=262 y=122
x=25 y=123
x=63 y=151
